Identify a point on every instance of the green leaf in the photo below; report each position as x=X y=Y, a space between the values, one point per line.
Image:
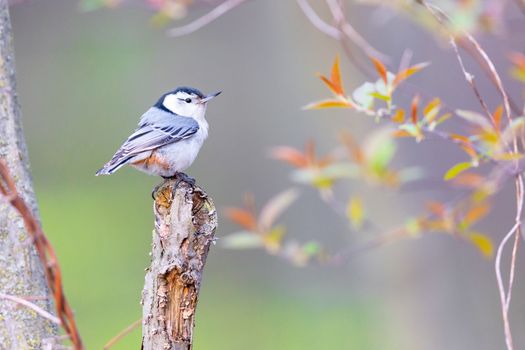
x=242 y=240
x=482 y=242
x=363 y=95
x=413 y=130
x=329 y=174
x=379 y=149
x=380 y=96
x=413 y=227
x=355 y=212
x=456 y=170
x=311 y=248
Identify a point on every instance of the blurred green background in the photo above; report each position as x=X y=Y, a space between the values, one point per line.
x=85 y=78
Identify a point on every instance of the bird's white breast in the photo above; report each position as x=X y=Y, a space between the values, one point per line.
x=180 y=155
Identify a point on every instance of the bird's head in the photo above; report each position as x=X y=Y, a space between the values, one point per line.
x=185 y=101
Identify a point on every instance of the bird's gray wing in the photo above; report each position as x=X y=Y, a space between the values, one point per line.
x=151 y=136
x=153 y=132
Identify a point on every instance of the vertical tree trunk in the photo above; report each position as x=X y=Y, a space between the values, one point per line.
x=185 y=223
x=21 y=273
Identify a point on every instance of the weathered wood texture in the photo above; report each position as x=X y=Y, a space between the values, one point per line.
x=185 y=222
x=21 y=273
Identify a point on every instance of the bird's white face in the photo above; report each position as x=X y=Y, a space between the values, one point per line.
x=184 y=104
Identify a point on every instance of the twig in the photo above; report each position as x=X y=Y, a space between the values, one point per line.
x=375 y=242
x=512 y=267
x=470 y=79
x=342 y=23
x=334 y=32
x=317 y=22
x=122 y=334
x=32 y=306
x=46 y=253
x=441 y=16
x=206 y=19
x=501 y=288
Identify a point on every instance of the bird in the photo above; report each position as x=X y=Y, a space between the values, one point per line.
x=168 y=138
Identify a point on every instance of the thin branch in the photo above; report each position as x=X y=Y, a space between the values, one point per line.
x=317 y=22
x=46 y=253
x=336 y=8
x=375 y=242
x=512 y=268
x=501 y=288
x=470 y=79
x=335 y=33
x=32 y=306
x=122 y=334
x=206 y=19
x=441 y=17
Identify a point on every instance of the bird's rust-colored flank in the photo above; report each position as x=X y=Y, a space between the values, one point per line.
x=152 y=161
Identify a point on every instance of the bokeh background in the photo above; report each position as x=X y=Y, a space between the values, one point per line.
x=84 y=78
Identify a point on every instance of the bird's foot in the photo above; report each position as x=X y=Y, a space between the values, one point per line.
x=154 y=190
x=183 y=177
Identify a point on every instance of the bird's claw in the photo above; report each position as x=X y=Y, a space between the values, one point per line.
x=183 y=177
x=154 y=190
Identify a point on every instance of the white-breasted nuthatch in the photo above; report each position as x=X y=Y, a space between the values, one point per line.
x=169 y=135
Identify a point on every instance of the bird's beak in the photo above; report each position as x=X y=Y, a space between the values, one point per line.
x=209 y=97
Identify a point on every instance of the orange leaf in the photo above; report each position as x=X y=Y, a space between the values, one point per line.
x=289 y=155
x=309 y=152
x=476 y=213
x=469 y=149
x=436 y=208
x=408 y=72
x=518 y=59
x=465 y=144
x=415 y=102
x=242 y=217
x=399 y=116
x=335 y=83
x=402 y=133
x=380 y=68
x=353 y=148
x=330 y=104
x=460 y=138
x=336 y=77
x=431 y=110
x=330 y=85
x=497 y=117
x=468 y=179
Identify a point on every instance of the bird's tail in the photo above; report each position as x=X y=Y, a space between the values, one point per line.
x=113 y=165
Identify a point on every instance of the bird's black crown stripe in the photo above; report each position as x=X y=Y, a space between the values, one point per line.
x=185 y=89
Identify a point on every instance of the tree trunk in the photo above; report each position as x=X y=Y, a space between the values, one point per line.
x=185 y=222
x=21 y=273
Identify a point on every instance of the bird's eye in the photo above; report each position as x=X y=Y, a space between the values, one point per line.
x=188 y=100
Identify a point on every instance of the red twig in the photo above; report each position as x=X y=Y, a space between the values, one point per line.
x=46 y=254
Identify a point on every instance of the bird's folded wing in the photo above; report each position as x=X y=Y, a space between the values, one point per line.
x=159 y=133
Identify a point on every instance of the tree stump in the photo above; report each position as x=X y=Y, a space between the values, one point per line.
x=185 y=222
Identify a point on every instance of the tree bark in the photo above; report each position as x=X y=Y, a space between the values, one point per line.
x=185 y=222
x=21 y=273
